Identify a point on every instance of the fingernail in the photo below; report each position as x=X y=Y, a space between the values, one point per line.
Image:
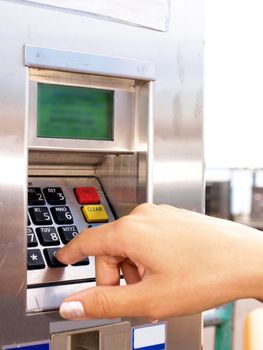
x=72 y=310
x=154 y=321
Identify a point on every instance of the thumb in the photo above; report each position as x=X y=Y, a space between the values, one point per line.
x=109 y=302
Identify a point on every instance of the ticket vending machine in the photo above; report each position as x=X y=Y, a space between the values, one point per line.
x=99 y=113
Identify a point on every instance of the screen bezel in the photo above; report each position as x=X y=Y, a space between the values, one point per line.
x=123 y=110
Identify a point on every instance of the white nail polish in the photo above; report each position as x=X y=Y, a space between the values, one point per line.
x=72 y=310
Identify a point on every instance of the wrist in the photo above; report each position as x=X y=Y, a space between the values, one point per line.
x=248 y=256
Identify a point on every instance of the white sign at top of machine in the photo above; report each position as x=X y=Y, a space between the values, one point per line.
x=152 y=14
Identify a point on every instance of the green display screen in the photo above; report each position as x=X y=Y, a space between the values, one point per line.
x=71 y=112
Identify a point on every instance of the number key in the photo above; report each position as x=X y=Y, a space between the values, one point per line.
x=54 y=195
x=35 y=196
x=50 y=258
x=48 y=236
x=31 y=238
x=62 y=215
x=40 y=216
x=67 y=233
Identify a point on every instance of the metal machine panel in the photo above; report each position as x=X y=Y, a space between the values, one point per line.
x=170 y=170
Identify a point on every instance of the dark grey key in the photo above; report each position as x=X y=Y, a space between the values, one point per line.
x=40 y=216
x=31 y=238
x=54 y=195
x=50 y=258
x=35 y=196
x=35 y=259
x=62 y=215
x=67 y=233
x=48 y=236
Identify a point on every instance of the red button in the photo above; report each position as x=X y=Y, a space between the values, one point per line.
x=87 y=195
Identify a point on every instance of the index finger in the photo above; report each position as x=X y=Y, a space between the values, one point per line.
x=101 y=240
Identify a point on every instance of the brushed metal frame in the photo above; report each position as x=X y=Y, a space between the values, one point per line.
x=123 y=114
x=72 y=61
x=114 y=336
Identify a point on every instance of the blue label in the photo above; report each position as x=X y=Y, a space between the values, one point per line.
x=153 y=347
x=44 y=346
x=149 y=337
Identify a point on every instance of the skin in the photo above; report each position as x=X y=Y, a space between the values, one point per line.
x=175 y=262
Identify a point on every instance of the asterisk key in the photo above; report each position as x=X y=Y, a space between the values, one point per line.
x=33 y=257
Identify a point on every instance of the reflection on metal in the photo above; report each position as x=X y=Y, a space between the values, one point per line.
x=152 y=14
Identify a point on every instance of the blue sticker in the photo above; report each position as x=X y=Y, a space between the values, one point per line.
x=149 y=337
x=42 y=346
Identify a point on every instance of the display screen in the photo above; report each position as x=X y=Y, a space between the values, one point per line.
x=71 y=112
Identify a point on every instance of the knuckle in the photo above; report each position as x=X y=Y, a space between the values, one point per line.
x=123 y=226
x=101 y=304
x=124 y=221
x=143 y=208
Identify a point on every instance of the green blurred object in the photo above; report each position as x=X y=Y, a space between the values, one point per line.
x=222 y=319
x=72 y=112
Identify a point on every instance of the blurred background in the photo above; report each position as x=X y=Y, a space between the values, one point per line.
x=233 y=138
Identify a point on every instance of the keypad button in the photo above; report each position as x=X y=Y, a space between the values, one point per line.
x=40 y=216
x=95 y=213
x=48 y=236
x=62 y=215
x=67 y=233
x=35 y=196
x=35 y=259
x=82 y=262
x=31 y=238
x=54 y=195
x=49 y=254
x=87 y=195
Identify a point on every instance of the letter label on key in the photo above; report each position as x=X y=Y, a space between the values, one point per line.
x=95 y=213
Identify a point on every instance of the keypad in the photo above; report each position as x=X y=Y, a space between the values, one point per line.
x=52 y=224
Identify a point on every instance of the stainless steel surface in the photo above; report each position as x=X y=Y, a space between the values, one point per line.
x=123 y=118
x=48 y=298
x=42 y=57
x=66 y=326
x=70 y=273
x=132 y=13
x=177 y=150
x=110 y=337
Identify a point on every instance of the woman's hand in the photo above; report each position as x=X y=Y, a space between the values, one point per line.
x=175 y=262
